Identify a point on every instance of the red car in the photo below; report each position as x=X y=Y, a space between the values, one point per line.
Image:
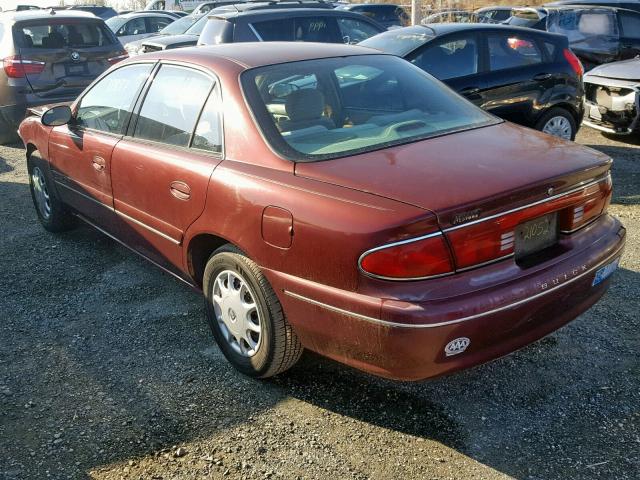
x=332 y=198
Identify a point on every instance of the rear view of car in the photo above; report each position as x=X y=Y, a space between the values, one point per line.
x=50 y=57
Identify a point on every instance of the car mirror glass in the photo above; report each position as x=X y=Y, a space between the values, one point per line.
x=56 y=116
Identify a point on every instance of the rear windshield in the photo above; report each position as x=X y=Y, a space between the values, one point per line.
x=327 y=108
x=61 y=35
x=400 y=41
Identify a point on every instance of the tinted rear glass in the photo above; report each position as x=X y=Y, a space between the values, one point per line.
x=61 y=35
x=320 y=109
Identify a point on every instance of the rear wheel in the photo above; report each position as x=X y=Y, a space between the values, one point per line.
x=559 y=123
x=246 y=317
x=52 y=213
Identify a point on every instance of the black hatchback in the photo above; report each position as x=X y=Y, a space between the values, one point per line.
x=524 y=76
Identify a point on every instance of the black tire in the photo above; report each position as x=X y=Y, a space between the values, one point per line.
x=558 y=112
x=279 y=347
x=56 y=217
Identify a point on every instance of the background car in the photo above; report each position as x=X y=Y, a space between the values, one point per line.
x=522 y=75
x=352 y=205
x=495 y=14
x=190 y=37
x=612 y=97
x=186 y=25
x=208 y=6
x=137 y=25
x=596 y=34
x=100 y=11
x=49 y=57
x=387 y=15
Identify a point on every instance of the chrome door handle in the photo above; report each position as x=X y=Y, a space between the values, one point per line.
x=180 y=190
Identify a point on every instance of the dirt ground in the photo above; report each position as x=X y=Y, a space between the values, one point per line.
x=108 y=371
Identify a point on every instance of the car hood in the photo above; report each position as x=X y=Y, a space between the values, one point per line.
x=624 y=70
x=171 y=40
x=490 y=168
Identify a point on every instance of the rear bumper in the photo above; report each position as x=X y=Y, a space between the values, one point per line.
x=407 y=340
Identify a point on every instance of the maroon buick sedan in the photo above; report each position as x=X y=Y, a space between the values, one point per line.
x=332 y=198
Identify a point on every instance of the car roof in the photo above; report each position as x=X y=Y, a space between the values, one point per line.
x=257 y=54
x=445 y=28
x=144 y=14
x=280 y=5
x=233 y=14
x=547 y=7
x=25 y=15
x=494 y=7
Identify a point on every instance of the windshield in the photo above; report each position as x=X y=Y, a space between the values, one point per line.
x=588 y=30
x=114 y=23
x=400 y=41
x=181 y=25
x=196 y=28
x=327 y=108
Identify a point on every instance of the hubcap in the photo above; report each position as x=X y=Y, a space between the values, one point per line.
x=237 y=313
x=558 y=127
x=41 y=194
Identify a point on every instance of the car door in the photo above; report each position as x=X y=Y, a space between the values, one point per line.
x=518 y=75
x=629 y=34
x=80 y=152
x=160 y=171
x=454 y=59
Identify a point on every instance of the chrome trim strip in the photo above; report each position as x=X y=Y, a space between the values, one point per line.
x=387 y=323
x=586 y=184
x=151 y=229
x=116 y=239
x=567 y=232
x=484 y=264
x=84 y=195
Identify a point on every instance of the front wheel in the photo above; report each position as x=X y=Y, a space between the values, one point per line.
x=246 y=317
x=52 y=213
x=559 y=123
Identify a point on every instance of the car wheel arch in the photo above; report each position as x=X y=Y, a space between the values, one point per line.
x=199 y=249
x=565 y=106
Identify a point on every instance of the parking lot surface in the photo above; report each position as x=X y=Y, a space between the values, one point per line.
x=108 y=371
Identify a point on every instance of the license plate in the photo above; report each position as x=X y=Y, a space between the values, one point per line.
x=77 y=69
x=594 y=113
x=605 y=272
x=536 y=235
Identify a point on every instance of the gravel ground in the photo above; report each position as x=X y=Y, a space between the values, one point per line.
x=108 y=371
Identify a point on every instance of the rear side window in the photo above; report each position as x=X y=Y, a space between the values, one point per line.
x=136 y=26
x=172 y=105
x=61 y=35
x=106 y=107
x=208 y=135
x=630 y=25
x=303 y=29
x=511 y=51
x=355 y=31
x=451 y=59
x=157 y=23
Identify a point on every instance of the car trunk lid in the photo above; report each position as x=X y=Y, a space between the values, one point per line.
x=466 y=175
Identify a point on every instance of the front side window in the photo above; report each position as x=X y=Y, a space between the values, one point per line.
x=352 y=105
x=512 y=51
x=107 y=106
x=449 y=59
x=355 y=31
x=136 y=26
x=172 y=104
x=157 y=23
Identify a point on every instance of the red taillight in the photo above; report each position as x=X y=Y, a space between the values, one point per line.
x=574 y=61
x=18 y=67
x=492 y=239
x=412 y=259
x=118 y=58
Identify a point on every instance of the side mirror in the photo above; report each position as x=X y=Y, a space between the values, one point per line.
x=56 y=116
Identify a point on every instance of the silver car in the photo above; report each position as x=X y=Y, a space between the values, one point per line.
x=138 y=25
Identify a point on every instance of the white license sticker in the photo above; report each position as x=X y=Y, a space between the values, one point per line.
x=605 y=272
